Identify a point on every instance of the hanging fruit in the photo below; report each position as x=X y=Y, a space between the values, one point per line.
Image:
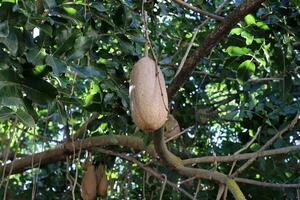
x=102 y=183
x=89 y=183
x=148 y=95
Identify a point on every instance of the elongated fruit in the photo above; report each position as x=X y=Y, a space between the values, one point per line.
x=102 y=184
x=148 y=95
x=89 y=183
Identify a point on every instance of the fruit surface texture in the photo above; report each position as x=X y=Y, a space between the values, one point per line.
x=89 y=183
x=148 y=95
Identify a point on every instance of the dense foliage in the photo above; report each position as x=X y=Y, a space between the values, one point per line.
x=61 y=61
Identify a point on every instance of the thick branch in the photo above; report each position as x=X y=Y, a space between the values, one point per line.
x=68 y=148
x=176 y=163
x=211 y=40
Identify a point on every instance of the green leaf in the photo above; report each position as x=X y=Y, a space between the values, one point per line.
x=46 y=28
x=70 y=10
x=9 y=78
x=11 y=42
x=245 y=70
x=262 y=26
x=88 y=71
x=248 y=36
x=237 y=51
x=236 y=31
x=30 y=109
x=81 y=46
x=36 y=56
x=11 y=101
x=231 y=115
x=25 y=118
x=98 y=6
x=11 y=95
x=58 y=67
x=4 y=28
x=38 y=90
x=254 y=146
x=10 y=1
x=250 y=19
x=5 y=113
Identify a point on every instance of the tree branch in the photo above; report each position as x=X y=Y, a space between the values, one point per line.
x=265 y=184
x=245 y=156
x=207 y=14
x=176 y=163
x=211 y=40
x=267 y=145
x=251 y=81
x=69 y=148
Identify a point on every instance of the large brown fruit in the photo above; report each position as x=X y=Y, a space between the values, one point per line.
x=148 y=95
x=102 y=186
x=100 y=171
x=89 y=183
x=172 y=127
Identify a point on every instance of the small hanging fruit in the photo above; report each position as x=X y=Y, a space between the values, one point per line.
x=89 y=183
x=148 y=95
x=102 y=183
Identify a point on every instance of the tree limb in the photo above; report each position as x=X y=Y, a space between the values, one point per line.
x=69 y=148
x=211 y=40
x=175 y=163
x=265 y=184
x=267 y=145
x=245 y=156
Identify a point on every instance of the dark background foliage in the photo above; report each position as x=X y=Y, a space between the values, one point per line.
x=62 y=60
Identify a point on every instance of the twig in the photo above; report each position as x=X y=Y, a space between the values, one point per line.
x=220 y=191
x=180 y=133
x=186 y=180
x=83 y=128
x=207 y=14
x=7 y=150
x=252 y=81
x=163 y=187
x=245 y=147
x=194 y=37
x=265 y=146
x=197 y=190
x=6 y=185
x=265 y=184
x=241 y=150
